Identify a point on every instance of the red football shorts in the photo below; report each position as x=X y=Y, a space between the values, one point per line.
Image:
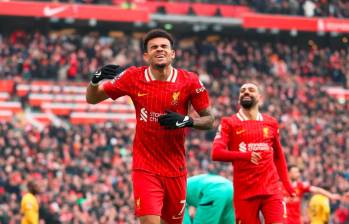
x=271 y=206
x=158 y=195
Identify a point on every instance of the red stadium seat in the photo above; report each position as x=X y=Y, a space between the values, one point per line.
x=43 y=118
x=6 y=115
x=6 y=86
x=4 y=96
x=13 y=106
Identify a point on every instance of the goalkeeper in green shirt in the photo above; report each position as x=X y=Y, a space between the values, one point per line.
x=212 y=197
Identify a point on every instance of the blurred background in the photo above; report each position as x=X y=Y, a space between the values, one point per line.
x=81 y=154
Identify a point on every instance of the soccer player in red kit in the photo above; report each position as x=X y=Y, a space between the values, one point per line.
x=161 y=95
x=250 y=140
x=293 y=204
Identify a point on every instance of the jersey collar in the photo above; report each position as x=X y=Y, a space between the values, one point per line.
x=243 y=117
x=171 y=78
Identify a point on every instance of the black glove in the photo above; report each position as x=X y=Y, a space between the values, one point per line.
x=106 y=72
x=172 y=120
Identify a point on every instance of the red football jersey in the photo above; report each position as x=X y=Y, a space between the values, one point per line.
x=239 y=134
x=293 y=204
x=156 y=149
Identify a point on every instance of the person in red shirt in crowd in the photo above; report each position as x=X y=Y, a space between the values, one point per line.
x=250 y=140
x=293 y=204
x=161 y=95
x=341 y=215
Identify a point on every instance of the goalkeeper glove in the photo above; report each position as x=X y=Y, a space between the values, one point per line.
x=106 y=72
x=173 y=120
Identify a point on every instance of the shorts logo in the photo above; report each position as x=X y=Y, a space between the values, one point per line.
x=175 y=97
x=144 y=115
x=180 y=214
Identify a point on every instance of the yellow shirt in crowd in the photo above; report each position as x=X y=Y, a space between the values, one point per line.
x=29 y=209
x=319 y=209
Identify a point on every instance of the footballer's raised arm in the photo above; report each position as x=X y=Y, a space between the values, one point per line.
x=95 y=92
x=205 y=121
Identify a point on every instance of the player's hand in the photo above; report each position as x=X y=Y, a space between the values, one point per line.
x=173 y=120
x=255 y=157
x=106 y=72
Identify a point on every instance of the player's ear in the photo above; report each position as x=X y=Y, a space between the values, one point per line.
x=260 y=100
x=173 y=54
x=146 y=57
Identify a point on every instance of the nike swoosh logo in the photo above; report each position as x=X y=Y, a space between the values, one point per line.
x=99 y=73
x=53 y=11
x=142 y=94
x=181 y=124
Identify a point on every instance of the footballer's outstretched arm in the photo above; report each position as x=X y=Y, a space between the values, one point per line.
x=319 y=190
x=205 y=121
x=95 y=92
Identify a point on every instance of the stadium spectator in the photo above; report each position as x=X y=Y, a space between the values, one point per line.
x=319 y=209
x=309 y=8
x=30 y=204
x=293 y=204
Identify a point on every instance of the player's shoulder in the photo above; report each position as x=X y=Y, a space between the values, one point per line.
x=304 y=184
x=134 y=71
x=185 y=74
x=269 y=119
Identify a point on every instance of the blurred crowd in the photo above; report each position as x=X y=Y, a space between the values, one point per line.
x=85 y=170
x=308 y=8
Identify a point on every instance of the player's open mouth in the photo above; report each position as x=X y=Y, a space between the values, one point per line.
x=160 y=56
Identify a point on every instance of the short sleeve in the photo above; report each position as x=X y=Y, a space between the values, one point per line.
x=120 y=85
x=223 y=132
x=198 y=94
x=306 y=186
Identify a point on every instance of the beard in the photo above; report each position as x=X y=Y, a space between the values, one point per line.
x=248 y=104
x=160 y=66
